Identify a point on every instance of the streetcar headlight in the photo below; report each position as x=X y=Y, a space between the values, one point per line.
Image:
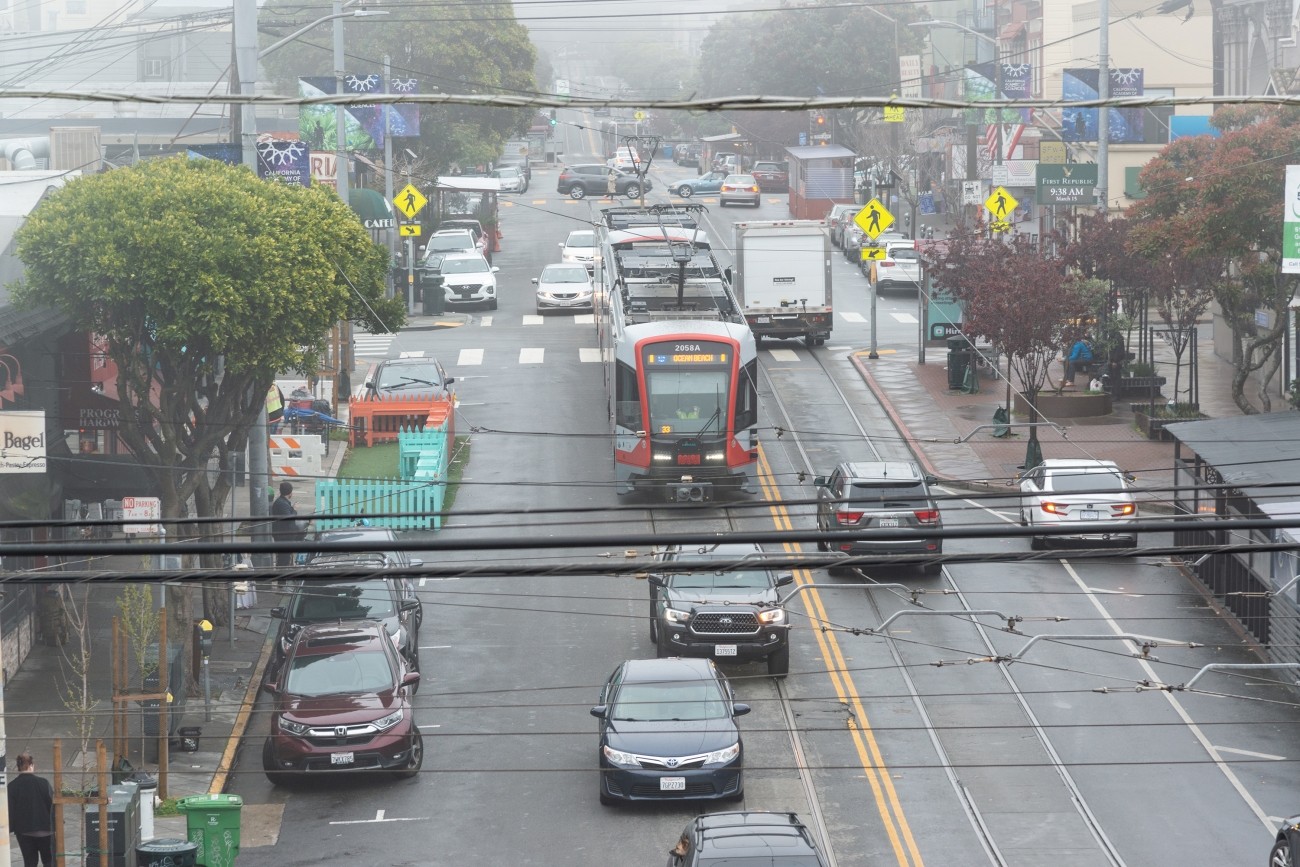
x=663 y=457
x=715 y=456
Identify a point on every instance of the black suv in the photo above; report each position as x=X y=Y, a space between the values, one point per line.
x=580 y=181
x=771 y=839
x=383 y=600
x=733 y=612
x=879 y=495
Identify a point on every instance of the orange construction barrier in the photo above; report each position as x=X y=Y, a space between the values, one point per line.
x=379 y=421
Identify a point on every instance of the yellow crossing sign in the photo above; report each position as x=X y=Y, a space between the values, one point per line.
x=1001 y=204
x=872 y=253
x=874 y=219
x=409 y=230
x=410 y=201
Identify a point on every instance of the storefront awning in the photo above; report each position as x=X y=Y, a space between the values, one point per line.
x=374 y=210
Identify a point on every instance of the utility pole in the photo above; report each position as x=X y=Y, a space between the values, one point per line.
x=1103 y=113
x=388 y=175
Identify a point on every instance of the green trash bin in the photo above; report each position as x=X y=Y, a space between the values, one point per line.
x=434 y=297
x=212 y=821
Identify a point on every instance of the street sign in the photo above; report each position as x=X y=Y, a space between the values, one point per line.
x=895 y=114
x=1000 y=226
x=141 y=509
x=1051 y=152
x=874 y=219
x=1291 y=222
x=1066 y=183
x=409 y=230
x=410 y=201
x=638 y=115
x=970 y=192
x=872 y=252
x=1001 y=204
x=1000 y=175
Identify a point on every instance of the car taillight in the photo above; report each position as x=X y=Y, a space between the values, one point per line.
x=927 y=516
x=1056 y=508
x=848 y=517
x=885 y=263
x=1121 y=509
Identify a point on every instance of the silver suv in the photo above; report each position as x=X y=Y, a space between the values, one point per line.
x=878 y=495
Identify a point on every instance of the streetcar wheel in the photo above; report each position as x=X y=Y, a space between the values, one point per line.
x=685 y=191
x=578 y=192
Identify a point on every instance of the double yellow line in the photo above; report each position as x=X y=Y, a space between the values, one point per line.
x=864 y=739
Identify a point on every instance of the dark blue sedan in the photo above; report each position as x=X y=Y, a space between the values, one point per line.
x=710 y=182
x=668 y=732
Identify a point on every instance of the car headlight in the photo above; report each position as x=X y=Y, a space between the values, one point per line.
x=722 y=757
x=776 y=615
x=620 y=759
x=293 y=728
x=672 y=615
x=389 y=721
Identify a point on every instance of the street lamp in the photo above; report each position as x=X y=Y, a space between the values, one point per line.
x=340 y=116
x=356 y=13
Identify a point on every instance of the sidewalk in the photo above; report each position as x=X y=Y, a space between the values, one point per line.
x=941 y=425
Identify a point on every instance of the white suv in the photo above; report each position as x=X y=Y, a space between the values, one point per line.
x=467 y=278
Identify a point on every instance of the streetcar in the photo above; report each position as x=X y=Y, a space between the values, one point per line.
x=681 y=366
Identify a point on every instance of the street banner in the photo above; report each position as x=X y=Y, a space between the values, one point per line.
x=1069 y=184
x=365 y=123
x=1080 y=124
x=1291 y=222
x=283 y=160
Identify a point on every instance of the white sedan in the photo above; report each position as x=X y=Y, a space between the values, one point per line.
x=1091 y=498
x=563 y=287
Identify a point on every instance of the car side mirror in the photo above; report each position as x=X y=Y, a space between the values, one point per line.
x=271 y=686
x=411 y=605
x=1130 y=478
x=931 y=480
x=496 y=268
x=370 y=383
x=449 y=380
x=656 y=580
x=739 y=709
x=278 y=612
x=598 y=711
x=820 y=481
x=410 y=677
x=534 y=281
x=560 y=245
x=417 y=561
x=784 y=578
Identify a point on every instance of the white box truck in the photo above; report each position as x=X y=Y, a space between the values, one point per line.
x=782 y=278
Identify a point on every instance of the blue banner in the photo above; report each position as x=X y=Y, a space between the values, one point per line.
x=1080 y=124
x=365 y=123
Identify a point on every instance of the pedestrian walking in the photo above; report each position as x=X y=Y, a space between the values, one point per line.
x=31 y=813
x=1080 y=359
x=283 y=526
x=611 y=184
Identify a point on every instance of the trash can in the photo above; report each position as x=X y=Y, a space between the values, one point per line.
x=434 y=298
x=148 y=791
x=668 y=152
x=122 y=818
x=212 y=821
x=959 y=359
x=167 y=852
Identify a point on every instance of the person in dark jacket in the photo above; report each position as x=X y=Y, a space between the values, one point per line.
x=285 y=530
x=31 y=813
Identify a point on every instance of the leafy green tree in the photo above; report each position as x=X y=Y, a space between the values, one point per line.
x=204 y=282
x=464 y=49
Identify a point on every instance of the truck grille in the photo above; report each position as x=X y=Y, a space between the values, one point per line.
x=725 y=623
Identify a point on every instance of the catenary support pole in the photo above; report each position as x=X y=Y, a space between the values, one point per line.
x=4 y=765
x=1103 y=113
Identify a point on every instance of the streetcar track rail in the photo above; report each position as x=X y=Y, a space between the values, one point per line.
x=976 y=819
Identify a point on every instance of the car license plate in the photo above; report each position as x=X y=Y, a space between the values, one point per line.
x=762 y=320
x=888 y=522
x=672 y=784
x=724 y=650
x=341 y=758
x=1088 y=515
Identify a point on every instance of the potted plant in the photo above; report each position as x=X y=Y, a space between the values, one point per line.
x=1140 y=380
x=1152 y=418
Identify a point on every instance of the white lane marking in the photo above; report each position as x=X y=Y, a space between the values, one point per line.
x=838 y=348
x=533 y=319
x=784 y=354
x=468 y=357
x=1209 y=748
x=1116 y=592
x=435 y=647
x=433 y=726
x=415 y=353
x=584 y=319
x=380 y=819
x=905 y=318
x=1251 y=753
x=531 y=356
x=590 y=355
x=853 y=317
x=485 y=321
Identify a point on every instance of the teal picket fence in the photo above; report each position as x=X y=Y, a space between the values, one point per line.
x=412 y=502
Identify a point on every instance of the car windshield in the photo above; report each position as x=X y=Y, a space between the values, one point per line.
x=469 y=265
x=397 y=376
x=332 y=674
x=1086 y=479
x=443 y=243
x=687 y=401
x=904 y=254
x=746 y=578
x=370 y=600
x=564 y=274
x=581 y=239
x=662 y=702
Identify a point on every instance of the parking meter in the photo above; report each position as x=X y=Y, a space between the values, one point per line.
x=203 y=632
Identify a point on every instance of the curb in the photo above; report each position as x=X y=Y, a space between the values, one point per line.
x=222 y=776
x=897 y=420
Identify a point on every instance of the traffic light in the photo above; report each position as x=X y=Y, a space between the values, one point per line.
x=821 y=120
x=552 y=117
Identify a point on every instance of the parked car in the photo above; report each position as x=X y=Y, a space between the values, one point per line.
x=710 y=182
x=474 y=227
x=580 y=181
x=342 y=702
x=580 y=248
x=741 y=190
x=901 y=267
x=409 y=377
x=449 y=241
x=878 y=495
x=1091 y=498
x=686 y=155
x=772 y=177
x=745 y=838
x=519 y=161
x=382 y=540
x=734 y=612
x=851 y=242
x=564 y=287
x=668 y=731
x=383 y=600
x=467 y=278
x=625 y=161
x=837 y=219
x=511 y=178
x=1286 y=847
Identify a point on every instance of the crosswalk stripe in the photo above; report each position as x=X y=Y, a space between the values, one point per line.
x=590 y=355
x=373 y=344
x=531 y=356
x=905 y=318
x=853 y=317
x=415 y=353
x=469 y=357
x=584 y=319
x=533 y=319
x=784 y=354
x=485 y=321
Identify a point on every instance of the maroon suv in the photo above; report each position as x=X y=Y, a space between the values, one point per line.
x=342 y=703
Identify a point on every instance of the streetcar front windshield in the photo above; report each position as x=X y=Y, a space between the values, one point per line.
x=687 y=401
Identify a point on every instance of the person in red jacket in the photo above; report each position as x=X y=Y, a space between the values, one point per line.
x=31 y=813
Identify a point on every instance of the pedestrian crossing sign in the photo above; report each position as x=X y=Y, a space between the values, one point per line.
x=409 y=230
x=872 y=252
x=874 y=219
x=1001 y=204
x=410 y=201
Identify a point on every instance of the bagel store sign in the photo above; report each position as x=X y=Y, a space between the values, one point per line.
x=22 y=442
